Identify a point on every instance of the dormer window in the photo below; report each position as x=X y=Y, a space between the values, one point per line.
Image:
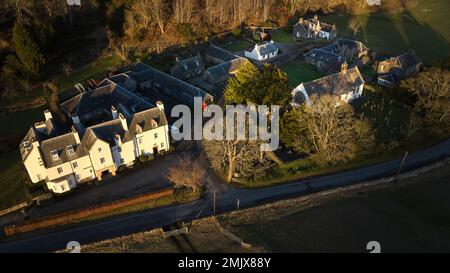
x=54 y=155
x=70 y=150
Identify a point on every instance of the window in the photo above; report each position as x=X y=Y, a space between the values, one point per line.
x=119 y=149
x=100 y=150
x=142 y=151
x=122 y=161
x=75 y=165
x=63 y=188
x=102 y=160
x=60 y=170
x=162 y=144
x=140 y=141
x=156 y=135
x=54 y=155
x=70 y=150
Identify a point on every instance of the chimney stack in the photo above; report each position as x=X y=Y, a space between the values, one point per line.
x=114 y=112
x=123 y=121
x=47 y=114
x=344 y=67
x=76 y=135
x=160 y=106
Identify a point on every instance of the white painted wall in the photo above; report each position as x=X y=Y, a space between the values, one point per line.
x=99 y=150
x=34 y=164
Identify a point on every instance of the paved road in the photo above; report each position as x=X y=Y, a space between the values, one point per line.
x=226 y=201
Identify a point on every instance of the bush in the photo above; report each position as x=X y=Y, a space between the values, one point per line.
x=185 y=30
x=236 y=32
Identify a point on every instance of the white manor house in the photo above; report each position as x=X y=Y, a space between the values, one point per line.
x=111 y=128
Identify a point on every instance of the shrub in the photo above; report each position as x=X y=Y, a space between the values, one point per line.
x=236 y=32
x=185 y=30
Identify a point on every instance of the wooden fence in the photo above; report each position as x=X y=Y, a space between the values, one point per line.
x=72 y=216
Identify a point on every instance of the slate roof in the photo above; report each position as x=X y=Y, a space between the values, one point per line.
x=168 y=84
x=330 y=59
x=103 y=97
x=146 y=120
x=305 y=25
x=408 y=60
x=34 y=134
x=105 y=131
x=337 y=84
x=266 y=48
x=335 y=47
x=59 y=144
x=188 y=68
x=222 y=72
x=219 y=53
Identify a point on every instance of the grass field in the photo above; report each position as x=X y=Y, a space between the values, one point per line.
x=414 y=217
x=238 y=45
x=13 y=176
x=387 y=116
x=424 y=29
x=299 y=72
x=20 y=122
x=282 y=37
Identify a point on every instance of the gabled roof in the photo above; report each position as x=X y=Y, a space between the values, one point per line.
x=219 y=53
x=306 y=24
x=60 y=144
x=336 y=84
x=221 y=72
x=185 y=68
x=330 y=59
x=105 y=131
x=103 y=97
x=408 y=59
x=146 y=120
x=266 y=48
x=168 y=84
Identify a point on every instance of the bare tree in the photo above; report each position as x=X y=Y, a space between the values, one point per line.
x=430 y=87
x=158 y=9
x=241 y=157
x=183 y=10
x=187 y=172
x=327 y=130
x=354 y=24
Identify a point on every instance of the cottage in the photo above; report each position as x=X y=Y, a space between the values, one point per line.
x=313 y=29
x=347 y=48
x=188 y=68
x=263 y=51
x=347 y=85
x=330 y=58
x=393 y=70
x=222 y=72
x=324 y=61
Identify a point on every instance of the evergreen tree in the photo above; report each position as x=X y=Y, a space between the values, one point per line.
x=269 y=86
x=27 y=48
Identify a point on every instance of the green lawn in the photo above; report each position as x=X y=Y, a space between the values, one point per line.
x=387 y=115
x=424 y=29
x=299 y=72
x=282 y=37
x=238 y=45
x=20 y=122
x=13 y=176
x=92 y=71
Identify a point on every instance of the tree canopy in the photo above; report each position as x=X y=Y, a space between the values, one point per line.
x=268 y=86
x=326 y=132
x=27 y=48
